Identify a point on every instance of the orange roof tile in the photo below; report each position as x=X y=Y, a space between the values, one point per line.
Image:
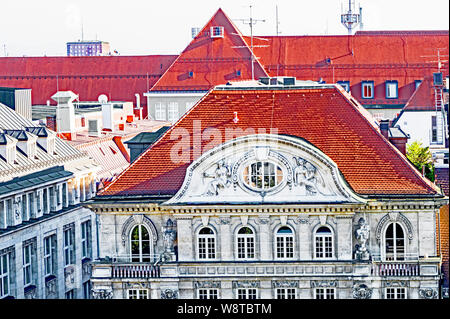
x=325 y=117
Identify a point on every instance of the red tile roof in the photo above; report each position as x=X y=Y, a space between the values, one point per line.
x=119 y=77
x=212 y=60
x=324 y=117
x=444 y=241
x=442 y=179
x=423 y=97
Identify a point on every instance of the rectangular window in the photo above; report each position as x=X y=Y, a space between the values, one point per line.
x=4 y=274
x=367 y=89
x=2 y=215
x=208 y=294
x=27 y=270
x=206 y=247
x=247 y=293
x=172 y=112
x=434 y=129
x=285 y=293
x=396 y=293
x=345 y=85
x=245 y=247
x=45 y=200
x=391 y=89
x=86 y=239
x=216 y=32
x=25 y=216
x=69 y=246
x=70 y=294
x=417 y=83
x=324 y=247
x=138 y=294
x=325 y=293
x=49 y=255
x=285 y=247
x=87 y=290
x=31 y=210
x=9 y=213
x=160 y=112
x=65 y=203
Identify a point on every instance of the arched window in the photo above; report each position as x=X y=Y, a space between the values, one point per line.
x=323 y=243
x=395 y=242
x=284 y=243
x=141 y=246
x=245 y=243
x=206 y=244
x=262 y=176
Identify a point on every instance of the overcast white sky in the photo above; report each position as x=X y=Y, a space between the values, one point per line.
x=141 y=27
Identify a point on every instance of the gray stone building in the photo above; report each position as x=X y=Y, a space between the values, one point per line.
x=287 y=192
x=47 y=239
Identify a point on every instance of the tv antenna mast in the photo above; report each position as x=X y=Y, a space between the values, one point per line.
x=252 y=22
x=350 y=19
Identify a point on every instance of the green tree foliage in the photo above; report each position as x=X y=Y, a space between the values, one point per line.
x=421 y=157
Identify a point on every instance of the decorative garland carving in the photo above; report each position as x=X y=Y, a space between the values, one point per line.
x=323 y=283
x=169 y=294
x=362 y=291
x=285 y=284
x=207 y=284
x=246 y=284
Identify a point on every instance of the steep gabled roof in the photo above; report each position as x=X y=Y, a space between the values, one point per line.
x=423 y=97
x=324 y=116
x=212 y=61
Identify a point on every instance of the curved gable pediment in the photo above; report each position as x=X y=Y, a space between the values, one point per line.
x=264 y=168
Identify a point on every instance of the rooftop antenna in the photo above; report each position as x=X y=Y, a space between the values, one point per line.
x=350 y=19
x=277 y=22
x=82 y=31
x=251 y=22
x=360 y=19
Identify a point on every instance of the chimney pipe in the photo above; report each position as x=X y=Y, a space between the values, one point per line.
x=65 y=113
x=384 y=128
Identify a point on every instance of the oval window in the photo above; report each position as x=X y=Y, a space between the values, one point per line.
x=262 y=175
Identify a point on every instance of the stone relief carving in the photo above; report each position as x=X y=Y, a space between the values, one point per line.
x=207 y=284
x=362 y=291
x=323 y=283
x=69 y=277
x=305 y=175
x=169 y=294
x=50 y=288
x=362 y=236
x=16 y=204
x=102 y=293
x=136 y=285
x=225 y=220
x=399 y=283
x=428 y=293
x=285 y=284
x=246 y=284
x=221 y=178
x=169 y=235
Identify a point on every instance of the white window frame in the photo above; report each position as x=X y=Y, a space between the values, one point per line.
x=286 y=293
x=206 y=245
x=160 y=111
x=4 y=275
x=243 y=244
x=246 y=293
x=208 y=293
x=395 y=256
x=281 y=244
x=69 y=246
x=172 y=112
x=371 y=85
x=86 y=239
x=142 y=257
x=24 y=207
x=325 y=292
x=396 y=292
x=138 y=294
x=49 y=255
x=248 y=175
x=3 y=214
x=323 y=247
x=27 y=264
x=345 y=85
x=391 y=89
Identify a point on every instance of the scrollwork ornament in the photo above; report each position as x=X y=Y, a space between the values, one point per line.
x=361 y=291
x=169 y=294
x=428 y=293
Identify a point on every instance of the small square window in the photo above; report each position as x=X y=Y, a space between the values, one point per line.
x=391 y=89
x=367 y=89
x=345 y=85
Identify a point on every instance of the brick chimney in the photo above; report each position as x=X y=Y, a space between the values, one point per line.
x=384 y=128
x=395 y=135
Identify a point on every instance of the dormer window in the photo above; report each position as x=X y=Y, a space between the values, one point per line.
x=217 y=32
x=345 y=85
x=391 y=89
x=367 y=88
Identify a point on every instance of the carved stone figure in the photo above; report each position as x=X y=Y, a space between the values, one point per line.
x=305 y=174
x=169 y=236
x=169 y=294
x=221 y=178
x=361 y=291
x=102 y=293
x=428 y=293
x=362 y=236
